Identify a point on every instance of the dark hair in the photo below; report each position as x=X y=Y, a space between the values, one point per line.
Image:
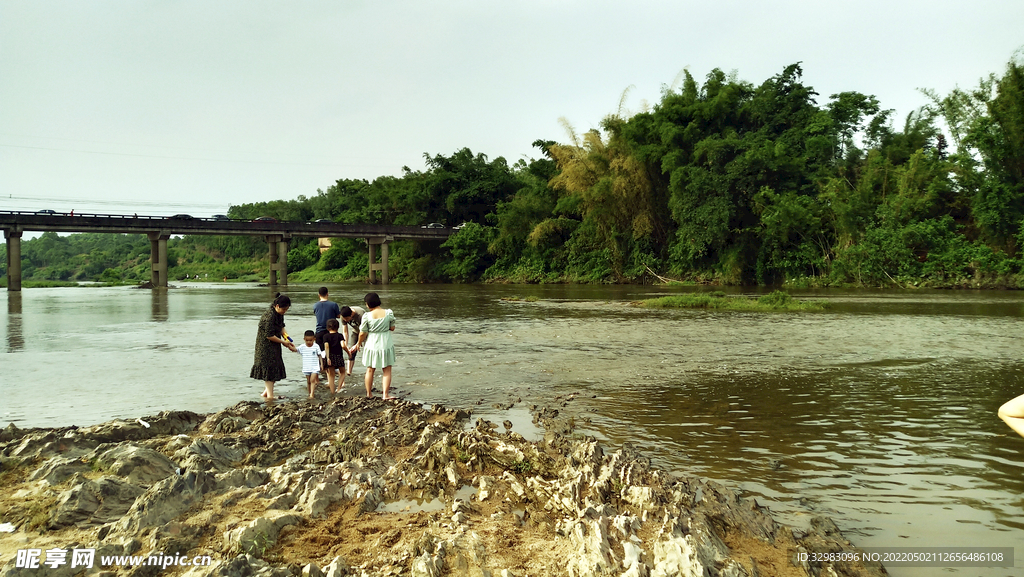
x=309 y=334
x=346 y=311
x=323 y=291
x=333 y=324
x=372 y=300
x=282 y=300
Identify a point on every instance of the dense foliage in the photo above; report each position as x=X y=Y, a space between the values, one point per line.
x=722 y=181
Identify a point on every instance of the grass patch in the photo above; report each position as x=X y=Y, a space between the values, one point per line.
x=42 y=283
x=774 y=301
x=11 y=473
x=523 y=467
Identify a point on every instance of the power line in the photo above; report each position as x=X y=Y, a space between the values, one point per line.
x=131 y=202
x=189 y=148
x=188 y=158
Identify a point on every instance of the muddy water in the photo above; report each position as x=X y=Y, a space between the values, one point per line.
x=879 y=413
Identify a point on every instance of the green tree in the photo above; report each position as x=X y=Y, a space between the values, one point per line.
x=469 y=252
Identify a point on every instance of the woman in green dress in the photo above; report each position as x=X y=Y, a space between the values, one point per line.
x=267 y=365
x=376 y=344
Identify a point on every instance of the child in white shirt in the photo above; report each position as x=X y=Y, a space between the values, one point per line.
x=311 y=354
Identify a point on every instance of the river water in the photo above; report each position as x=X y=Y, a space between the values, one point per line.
x=879 y=413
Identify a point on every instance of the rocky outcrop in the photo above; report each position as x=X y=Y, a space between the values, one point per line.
x=367 y=487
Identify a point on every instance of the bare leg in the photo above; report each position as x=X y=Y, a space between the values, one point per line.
x=1012 y=412
x=386 y=378
x=314 y=380
x=369 y=381
x=330 y=378
x=268 y=391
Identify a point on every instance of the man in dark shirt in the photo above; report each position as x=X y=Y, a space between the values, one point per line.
x=324 y=311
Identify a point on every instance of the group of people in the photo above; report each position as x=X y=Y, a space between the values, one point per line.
x=341 y=332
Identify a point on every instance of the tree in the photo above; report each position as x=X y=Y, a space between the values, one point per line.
x=467 y=187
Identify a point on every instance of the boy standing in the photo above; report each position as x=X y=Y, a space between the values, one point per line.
x=311 y=354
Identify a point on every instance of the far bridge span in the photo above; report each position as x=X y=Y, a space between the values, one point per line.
x=160 y=228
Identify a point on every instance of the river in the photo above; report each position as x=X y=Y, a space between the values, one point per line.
x=879 y=413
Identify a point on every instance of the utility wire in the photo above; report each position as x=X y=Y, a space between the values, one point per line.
x=193 y=149
x=187 y=158
x=129 y=202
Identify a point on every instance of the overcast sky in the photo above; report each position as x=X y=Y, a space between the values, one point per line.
x=162 y=107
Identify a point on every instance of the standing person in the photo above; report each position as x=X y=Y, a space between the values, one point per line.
x=352 y=318
x=376 y=343
x=310 y=352
x=335 y=354
x=1012 y=412
x=324 y=310
x=267 y=364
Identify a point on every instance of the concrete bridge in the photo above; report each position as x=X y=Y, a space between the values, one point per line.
x=160 y=228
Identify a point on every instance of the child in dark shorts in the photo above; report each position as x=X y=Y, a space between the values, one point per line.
x=335 y=353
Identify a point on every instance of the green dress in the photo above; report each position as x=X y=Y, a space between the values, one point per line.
x=267 y=364
x=379 y=349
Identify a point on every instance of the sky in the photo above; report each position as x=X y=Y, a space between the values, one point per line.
x=161 y=107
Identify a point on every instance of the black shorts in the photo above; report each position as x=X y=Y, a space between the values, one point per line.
x=337 y=362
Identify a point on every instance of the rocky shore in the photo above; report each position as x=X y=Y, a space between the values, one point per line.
x=367 y=487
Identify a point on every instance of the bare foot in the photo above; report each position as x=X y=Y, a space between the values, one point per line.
x=264 y=394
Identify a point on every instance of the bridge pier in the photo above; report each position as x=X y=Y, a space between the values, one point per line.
x=158 y=258
x=278 y=244
x=382 y=266
x=13 y=239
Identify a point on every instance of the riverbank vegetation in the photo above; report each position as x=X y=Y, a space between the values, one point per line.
x=721 y=182
x=717 y=300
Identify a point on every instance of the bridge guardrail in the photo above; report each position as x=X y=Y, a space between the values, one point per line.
x=137 y=224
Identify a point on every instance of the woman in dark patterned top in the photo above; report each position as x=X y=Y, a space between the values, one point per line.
x=267 y=365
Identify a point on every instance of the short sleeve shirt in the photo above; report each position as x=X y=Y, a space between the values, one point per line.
x=357 y=319
x=310 y=357
x=325 y=311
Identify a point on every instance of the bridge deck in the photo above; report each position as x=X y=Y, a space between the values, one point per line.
x=139 y=224
x=160 y=228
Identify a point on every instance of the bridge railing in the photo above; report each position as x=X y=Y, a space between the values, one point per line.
x=119 y=216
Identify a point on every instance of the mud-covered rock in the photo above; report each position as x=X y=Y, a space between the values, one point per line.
x=164 y=501
x=89 y=502
x=315 y=489
x=56 y=470
x=138 y=465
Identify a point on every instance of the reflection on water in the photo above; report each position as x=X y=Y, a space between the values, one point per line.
x=15 y=332
x=879 y=413
x=159 y=306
